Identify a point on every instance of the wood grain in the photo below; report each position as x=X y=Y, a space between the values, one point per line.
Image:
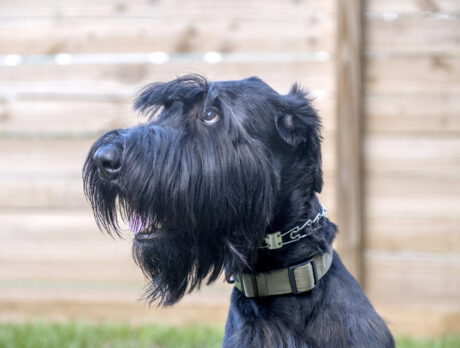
x=46 y=173
x=399 y=113
x=429 y=74
x=172 y=32
x=142 y=8
x=26 y=158
x=67 y=193
x=413 y=197
x=192 y=310
x=60 y=117
x=418 y=322
x=92 y=80
x=415 y=156
x=412 y=6
x=349 y=126
x=423 y=280
x=56 y=264
x=60 y=255
x=421 y=234
x=413 y=33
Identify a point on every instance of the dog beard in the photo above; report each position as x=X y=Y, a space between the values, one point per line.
x=168 y=262
x=206 y=203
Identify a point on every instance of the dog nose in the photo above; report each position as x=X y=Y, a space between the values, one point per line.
x=108 y=160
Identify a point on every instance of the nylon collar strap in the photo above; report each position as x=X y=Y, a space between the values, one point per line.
x=296 y=279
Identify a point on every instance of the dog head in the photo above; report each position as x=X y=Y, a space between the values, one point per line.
x=201 y=180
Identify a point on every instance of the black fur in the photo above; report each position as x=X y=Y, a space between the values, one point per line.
x=217 y=189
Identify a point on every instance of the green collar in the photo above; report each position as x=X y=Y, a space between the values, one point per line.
x=296 y=279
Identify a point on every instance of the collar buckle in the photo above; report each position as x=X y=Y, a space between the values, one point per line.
x=274 y=241
x=292 y=279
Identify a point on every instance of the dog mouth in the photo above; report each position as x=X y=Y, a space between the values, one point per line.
x=143 y=228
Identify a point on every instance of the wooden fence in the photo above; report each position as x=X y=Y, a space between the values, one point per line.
x=69 y=70
x=411 y=152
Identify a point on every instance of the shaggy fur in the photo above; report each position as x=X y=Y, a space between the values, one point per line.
x=217 y=189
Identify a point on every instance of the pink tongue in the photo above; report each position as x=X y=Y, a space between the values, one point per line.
x=137 y=224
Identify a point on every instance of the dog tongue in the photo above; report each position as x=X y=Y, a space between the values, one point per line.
x=137 y=224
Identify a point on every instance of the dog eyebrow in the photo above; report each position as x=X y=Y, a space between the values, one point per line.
x=163 y=94
x=212 y=95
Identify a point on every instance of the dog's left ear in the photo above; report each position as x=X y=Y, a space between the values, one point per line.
x=298 y=124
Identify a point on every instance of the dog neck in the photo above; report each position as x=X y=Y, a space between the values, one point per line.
x=318 y=242
x=299 y=270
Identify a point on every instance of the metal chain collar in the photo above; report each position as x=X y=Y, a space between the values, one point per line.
x=275 y=240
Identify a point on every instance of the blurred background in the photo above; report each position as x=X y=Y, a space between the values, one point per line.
x=388 y=90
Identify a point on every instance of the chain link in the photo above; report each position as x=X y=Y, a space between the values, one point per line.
x=294 y=233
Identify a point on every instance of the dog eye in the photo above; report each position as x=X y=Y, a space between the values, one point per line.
x=211 y=116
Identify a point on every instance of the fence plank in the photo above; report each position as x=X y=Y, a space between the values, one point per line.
x=62 y=257
x=425 y=280
x=67 y=193
x=25 y=158
x=413 y=75
x=415 y=33
x=43 y=226
x=426 y=234
x=395 y=155
x=46 y=173
x=192 y=309
x=84 y=81
x=158 y=8
x=63 y=118
x=22 y=271
x=52 y=158
x=349 y=118
x=173 y=33
x=412 y=5
x=53 y=117
x=418 y=322
x=416 y=292
x=413 y=197
x=408 y=114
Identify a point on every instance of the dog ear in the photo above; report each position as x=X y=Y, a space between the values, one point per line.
x=299 y=125
x=297 y=122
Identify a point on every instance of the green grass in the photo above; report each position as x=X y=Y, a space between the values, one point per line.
x=110 y=335
x=448 y=341
x=76 y=335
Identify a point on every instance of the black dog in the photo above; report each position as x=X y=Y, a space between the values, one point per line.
x=223 y=177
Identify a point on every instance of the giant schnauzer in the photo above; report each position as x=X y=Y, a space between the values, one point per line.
x=223 y=177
